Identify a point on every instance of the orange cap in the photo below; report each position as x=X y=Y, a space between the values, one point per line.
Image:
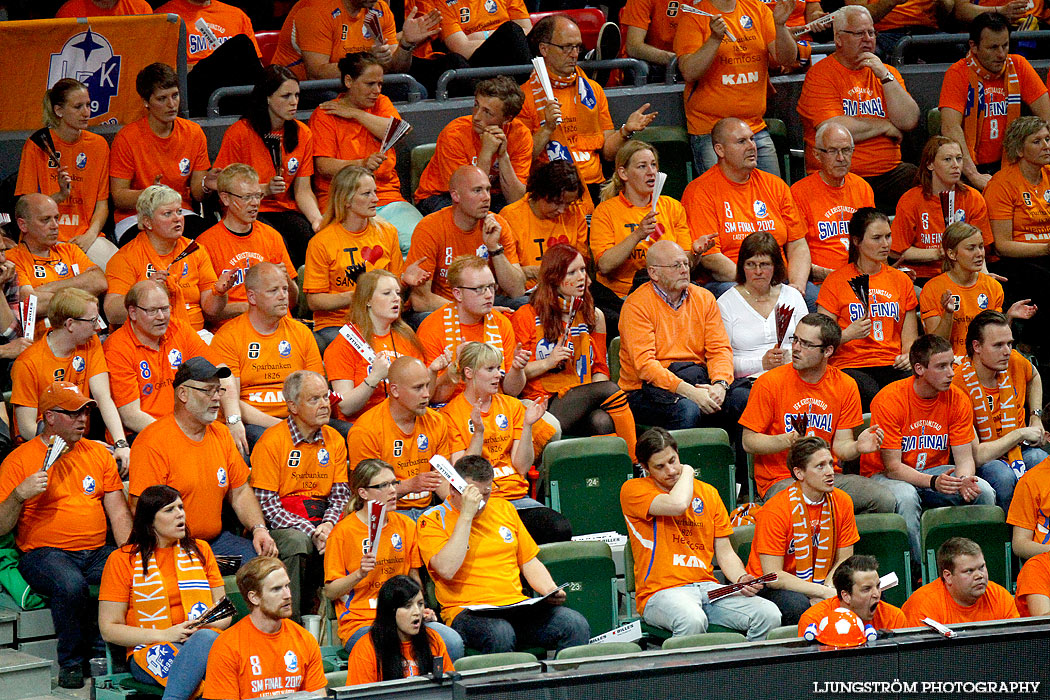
x=64 y=395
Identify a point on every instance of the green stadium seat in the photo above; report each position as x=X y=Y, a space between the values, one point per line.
x=590 y=572
x=785 y=632
x=506 y=658
x=675 y=156
x=778 y=132
x=985 y=525
x=933 y=122
x=885 y=537
x=302 y=309
x=420 y=156
x=704 y=640
x=707 y=450
x=588 y=651
x=741 y=541
x=614 y=359
x=583 y=477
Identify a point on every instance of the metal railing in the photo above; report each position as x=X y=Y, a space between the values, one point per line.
x=415 y=90
x=639 y=71
x=931 y=40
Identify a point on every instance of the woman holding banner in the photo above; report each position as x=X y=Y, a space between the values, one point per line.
x=70 y=164
x=280 y=148
x=352 y=578
x=172 y=651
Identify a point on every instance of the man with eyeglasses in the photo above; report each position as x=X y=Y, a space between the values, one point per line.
x=856 y=90
x=299 y=477
x=144 y=354
x=809 y=392
x=261 y=348
x=58 y=513
x=188 y=451
x=240 y=240
x=827 y=199
x=69 y=352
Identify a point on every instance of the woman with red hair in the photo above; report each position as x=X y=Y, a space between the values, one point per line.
x=565 y=336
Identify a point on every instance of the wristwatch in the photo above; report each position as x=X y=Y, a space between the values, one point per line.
x=888 y=79
x=1038 y=413
x=233 y=420
x=120 y=444
x=722 y=383
x=493 y=252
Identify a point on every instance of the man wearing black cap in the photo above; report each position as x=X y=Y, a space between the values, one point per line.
x=192 y=453
x=60 y=508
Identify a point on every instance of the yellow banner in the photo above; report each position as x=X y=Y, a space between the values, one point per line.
x=104 y=53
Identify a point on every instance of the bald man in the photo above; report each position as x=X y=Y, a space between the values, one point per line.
x=676 y=363
x=467 y=227
x=405 y=432
x=262 y=347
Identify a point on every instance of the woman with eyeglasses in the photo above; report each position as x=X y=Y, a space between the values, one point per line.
x=269 y=131
x=399 y=644
x=877 y=332
x=354 y=571
x=352 y=240
x=921 y=220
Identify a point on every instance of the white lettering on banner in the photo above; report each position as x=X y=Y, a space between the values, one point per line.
x=631 y=632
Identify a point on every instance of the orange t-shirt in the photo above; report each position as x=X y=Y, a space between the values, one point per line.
x=120 y=572
x=653 y=336
x=86 y=8
x=38 y=366
x=458 y=145
x=832 y=90
x=1030 y=507
x=490 y=573
x=735 y=83
x=956 y=94
x=469 y=16
x=886 y=617
x=137 y=371
x=919 y=223
x=308 y=469
x=376 y=435
x=503 y=425
x=1011 y=197
x=910 y=13
x=825 y=212
x=397 y=553
x=579 y=370
x=189 y=278
x=245 y=662
x=615 y=219
x=202 y=471
x=985 y=293
x=225 y=22
x=240 y=144
x=363 y=666
x=341 y=361
x=327 y=28
x=924 y=430
x=348 y=139
x=934 y=601
x=436 y=339
x=585 y=119
x=334 y=249
x=832 y=404
x=891 y=296
x=86 y=160
x=140 y=156
x=774 y=532
x=69 y=514
x=64 y=261
x=672 y=551
x=535 y=235
x=240 y=251
x=437 y=241
x=659 y=19
x=716 y=204
x=1034 y=579
x=263 y=361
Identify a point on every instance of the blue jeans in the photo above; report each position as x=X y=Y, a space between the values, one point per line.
x=187 y=670
x=229 y=544
x=704 y=153
x=64 y=577
x=911 y=501
x=1003 y=478
x=541 y=625
x=453 y=642
x=682 y=610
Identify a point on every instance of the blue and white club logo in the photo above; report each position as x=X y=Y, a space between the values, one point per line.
x=760 y=209
x=197 y=610
x=506 y=534
x=220 y=475
x=501 y=421
x=746 y=22
x=293 y=166
x=88 y=484
x=284 y=348
x=982 y=300
x=78 y=363
x=322 y=457
x=159 y=659
x=184 y=166
x=81 y=160
x=491 y=7
x=558 y=151
x=395 y=542
x=175 y=358
x=89 y=58
x=61 y=269
x=698 y=505
x=291 y=661
x=422 y=442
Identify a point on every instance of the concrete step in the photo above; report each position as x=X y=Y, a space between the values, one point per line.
x=8 y=622
x=23 y=675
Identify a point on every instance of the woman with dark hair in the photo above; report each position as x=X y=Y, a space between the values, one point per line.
x=565 y=337
x=280 y=148
x=399 y=645
x=83 y=201
x=350 y=129
x=877 y=332
x=165 y=648
x=352 y=576
x=920 y=220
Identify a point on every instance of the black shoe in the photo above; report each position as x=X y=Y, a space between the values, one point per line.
x=71 y=677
